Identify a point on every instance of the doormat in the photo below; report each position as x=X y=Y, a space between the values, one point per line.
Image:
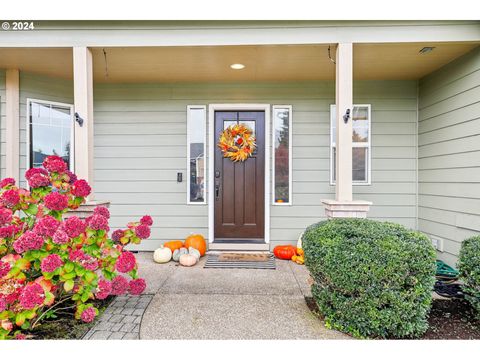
x=240 y=261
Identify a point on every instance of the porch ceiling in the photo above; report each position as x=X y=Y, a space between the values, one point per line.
x=262 y=63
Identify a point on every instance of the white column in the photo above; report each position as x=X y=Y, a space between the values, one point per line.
x=83 y=99
x=344 y=102
x=12 y=124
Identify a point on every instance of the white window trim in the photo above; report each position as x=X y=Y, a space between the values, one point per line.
x=365 y=144
x=290 y=162
x=27 y=123
x=205 y=185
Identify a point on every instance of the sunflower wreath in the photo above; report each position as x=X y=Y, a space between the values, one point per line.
x=237 y=142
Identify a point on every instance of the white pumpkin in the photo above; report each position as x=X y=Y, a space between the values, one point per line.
x=179 y=252
x=194 y=252
x=162 y=255
x=188 y=260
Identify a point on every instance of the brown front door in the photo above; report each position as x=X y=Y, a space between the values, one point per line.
x=240 y=186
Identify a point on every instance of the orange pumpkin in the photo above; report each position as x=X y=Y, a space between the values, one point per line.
x=198 y=242
x=173 y=245
x=284 y=252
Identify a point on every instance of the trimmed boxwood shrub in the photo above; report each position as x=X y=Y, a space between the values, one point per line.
x=469 y=267
x=371 y=278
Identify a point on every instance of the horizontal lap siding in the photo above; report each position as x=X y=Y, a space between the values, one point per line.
x=449 y=153
x=140 y=145
x=39 y=88
x=2 y=123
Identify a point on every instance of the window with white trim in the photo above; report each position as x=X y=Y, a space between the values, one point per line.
x=50 y=131
x=282 y=154
x=361 y=144
x=196 y=150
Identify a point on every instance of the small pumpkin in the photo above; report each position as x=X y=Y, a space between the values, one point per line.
x=300 y=252
x=285 y=252
x=198 y=242
x=194 y=252
x=179 y=252
x=162 y=255
x=173 y=245
x=299 y=241
x=188 y=260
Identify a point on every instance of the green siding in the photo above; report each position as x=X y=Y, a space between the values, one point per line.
x=449 y=153
x=140 y=145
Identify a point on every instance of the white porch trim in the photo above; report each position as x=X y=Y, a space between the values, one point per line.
x=12 y=124
x=83 y=102
x=211 y=163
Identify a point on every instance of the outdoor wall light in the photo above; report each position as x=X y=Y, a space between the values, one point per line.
x=237 y=66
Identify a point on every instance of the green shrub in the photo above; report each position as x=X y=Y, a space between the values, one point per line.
x=469 y=267
x=371 y=279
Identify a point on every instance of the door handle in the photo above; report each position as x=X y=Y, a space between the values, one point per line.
x=217 y=190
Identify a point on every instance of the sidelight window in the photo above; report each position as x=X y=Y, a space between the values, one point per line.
x=196 y=149
x=282 y=154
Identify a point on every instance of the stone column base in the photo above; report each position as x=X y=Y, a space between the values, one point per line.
x=346 y=209
x=85 y=210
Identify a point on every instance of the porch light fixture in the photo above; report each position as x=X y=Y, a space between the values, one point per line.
x=237 y=66
x=426 y=50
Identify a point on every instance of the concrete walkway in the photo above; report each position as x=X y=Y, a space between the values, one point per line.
x=198 y=303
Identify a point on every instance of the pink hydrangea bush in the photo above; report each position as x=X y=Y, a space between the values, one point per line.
x=47 y=258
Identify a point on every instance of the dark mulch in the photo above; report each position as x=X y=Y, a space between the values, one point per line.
x=449 y=319
x=452 y=319
x=65 y=326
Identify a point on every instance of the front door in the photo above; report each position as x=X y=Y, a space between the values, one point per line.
x=240 y=186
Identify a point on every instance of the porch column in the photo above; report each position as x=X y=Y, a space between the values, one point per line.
x=83 y=102
x=344 y=205
x=12 y=124
x=344 y=103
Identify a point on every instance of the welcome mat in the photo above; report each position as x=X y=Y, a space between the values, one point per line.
x=240 y=261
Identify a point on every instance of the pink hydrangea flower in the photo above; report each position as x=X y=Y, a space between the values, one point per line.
x=4 y=269
x=33 y=171
x=38 y=180
x=55 y=164
x=56 y=201
x=104 y=289
x=146 y=220
x=88 y=315
x=71 y=176
x=98 y=222
x=28 y=241
x=47 y=226
x=9 y=231
x=31 y=296
x=51 y=263
x=102 y=210
x=80 y=188
x=119 y=285
x=137 y=286
x=87 y=261
x=126 y=262
x=60 y=237
x=74 y=226
x=142 y=231
x=3 y=304
x=5 y=216
x=20 y=336
x=7 y=182
x=10 y=198
x=117 y=235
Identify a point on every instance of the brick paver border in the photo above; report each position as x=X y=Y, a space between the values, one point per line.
x=121 y=319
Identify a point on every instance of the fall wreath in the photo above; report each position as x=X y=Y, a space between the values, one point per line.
x=237 y=142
